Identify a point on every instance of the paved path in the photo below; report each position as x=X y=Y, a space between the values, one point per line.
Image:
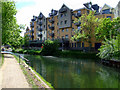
x=11 y=75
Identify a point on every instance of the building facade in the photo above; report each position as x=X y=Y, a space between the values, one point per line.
x=117 y=10
x=60 y=25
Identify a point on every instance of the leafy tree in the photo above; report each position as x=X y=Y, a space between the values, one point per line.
x=106 y=29
x=88 y=24
x=10 y=29
x=111 y=37
x=50 y=47
x=26 y=41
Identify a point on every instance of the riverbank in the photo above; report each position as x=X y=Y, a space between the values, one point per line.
x=2 y=60
x=34 y=79
x=64 y=53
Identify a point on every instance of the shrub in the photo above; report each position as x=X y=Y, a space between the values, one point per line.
x=50 y=47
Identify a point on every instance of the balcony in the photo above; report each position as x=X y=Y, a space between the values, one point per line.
x=51 y=34
x=51 y=21
x=40 y=23
x=51 y=14
x=40 y=17
x=51 y=27
x=40 y=35
x=63 y=10
x=32 y=31
x=77 y=15
x=39 y=29
x=77 y=23
x=33 y=19
x=31 y=25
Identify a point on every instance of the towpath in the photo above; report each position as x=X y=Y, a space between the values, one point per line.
x=11 y=75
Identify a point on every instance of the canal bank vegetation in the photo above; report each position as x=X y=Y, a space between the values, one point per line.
x=2 y=55
x=33 y=81
x=109 y=32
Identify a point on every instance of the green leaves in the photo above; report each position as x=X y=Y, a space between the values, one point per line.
x=10 y=29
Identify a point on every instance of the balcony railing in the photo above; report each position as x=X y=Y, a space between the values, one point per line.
x=40 y=17
x=51 y=27
x=40 y=35
x=77 y=15
x=40 y=23
x=51 y=21
x=77 y=23
x=63 y=10
x=39 y=29
x=33 y=19
x=51 y=34
x=31 y=25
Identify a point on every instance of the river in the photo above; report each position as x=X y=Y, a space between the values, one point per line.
x=75 y=73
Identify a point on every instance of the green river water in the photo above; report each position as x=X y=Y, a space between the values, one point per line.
x=75 y=73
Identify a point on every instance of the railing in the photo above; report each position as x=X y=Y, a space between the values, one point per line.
x=40 y=17
x=30 y=69
x=26 y=63
x=51 y=27
x=51 y=21
x=63 y=10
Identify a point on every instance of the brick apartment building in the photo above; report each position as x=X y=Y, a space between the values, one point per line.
x=60 y=26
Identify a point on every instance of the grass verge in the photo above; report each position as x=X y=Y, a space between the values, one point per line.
x=2 y=55
x=30 y=79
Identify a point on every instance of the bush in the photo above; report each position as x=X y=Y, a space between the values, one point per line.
x=50 y=48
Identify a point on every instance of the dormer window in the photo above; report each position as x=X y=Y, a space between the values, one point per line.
x=89 y=5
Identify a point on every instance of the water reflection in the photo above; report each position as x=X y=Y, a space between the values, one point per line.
x=75 y=73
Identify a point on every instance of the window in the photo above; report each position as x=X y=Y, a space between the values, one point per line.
x=61 y=15
x=53 y=31
x=58 y=31
x=62 y=37
x=72 y=29
x=44 y=20
x=75 y=44
x=72 y=44
x=61 y=22
x=78 y=44
x=66 y=36
x=82 y=44
x=44 y=26
x=63 y=30
x=44 y=32
x=109 y=17
x=66 y=30
x=107 y=11
x=87 y=11
x=57 y=23
x=65 y=14
x=72 y=35
x=79 y=11
x=65 y=21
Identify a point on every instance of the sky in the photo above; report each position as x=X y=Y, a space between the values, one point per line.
x=27 y=8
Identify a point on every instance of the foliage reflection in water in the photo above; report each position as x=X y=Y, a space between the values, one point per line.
x=75 y=73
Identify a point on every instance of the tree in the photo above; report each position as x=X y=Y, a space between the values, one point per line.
x=109 y=31
x=50 y=47
x=88 y=24
x=10 y=29
x=26 y=41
